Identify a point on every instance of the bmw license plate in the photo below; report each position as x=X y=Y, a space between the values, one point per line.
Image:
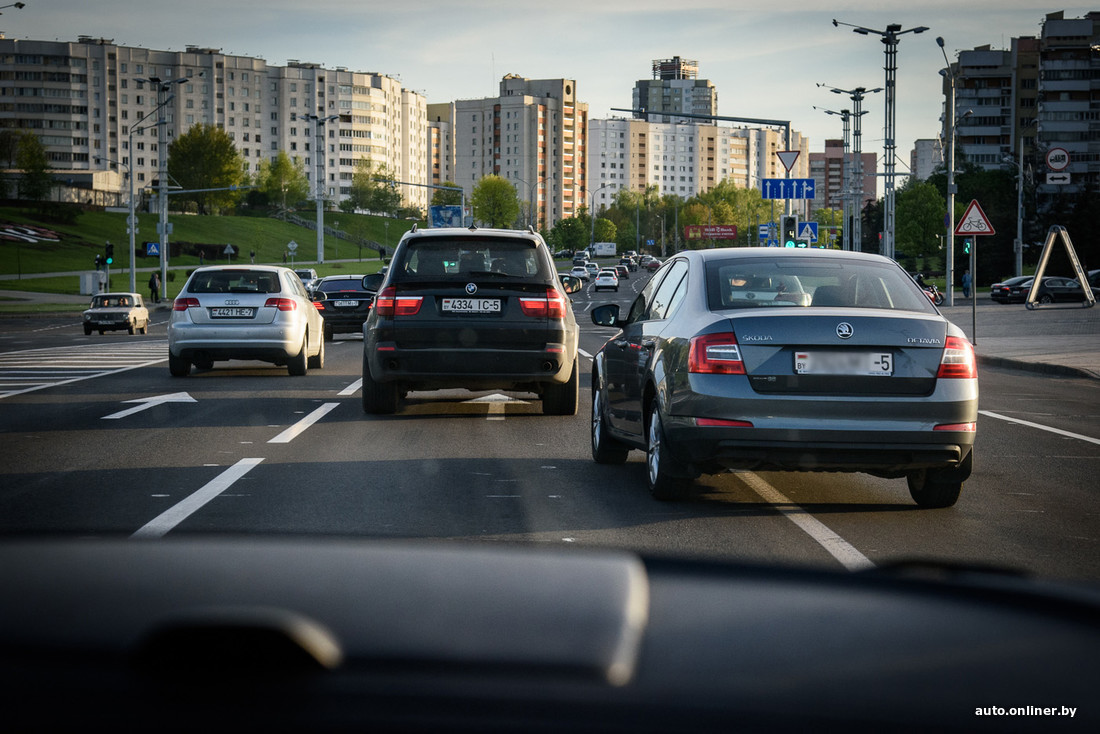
x=844 y=363
x=345 y=304
x=471 y=305
x=229 y=312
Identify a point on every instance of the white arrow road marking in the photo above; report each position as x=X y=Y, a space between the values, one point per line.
x=496 y=403
x=146 y=403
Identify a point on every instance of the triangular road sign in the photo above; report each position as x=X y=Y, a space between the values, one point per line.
x=787 y=158
x=974 y=221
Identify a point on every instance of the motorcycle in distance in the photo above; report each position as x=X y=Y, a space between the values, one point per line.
x=933 y=293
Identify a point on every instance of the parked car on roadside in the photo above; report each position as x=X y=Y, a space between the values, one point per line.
x=1008 y=291
x=116 y=311
x=260 y=312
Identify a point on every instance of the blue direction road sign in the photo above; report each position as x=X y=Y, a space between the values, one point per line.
x=787 y=188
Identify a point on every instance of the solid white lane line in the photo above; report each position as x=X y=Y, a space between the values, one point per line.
x=291 y=433
x=1041 y=427
x=350 y=389
x=837 y=546
x=173 y=516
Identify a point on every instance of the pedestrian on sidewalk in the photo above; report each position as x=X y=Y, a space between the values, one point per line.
x=154 y=287
x=966 y=281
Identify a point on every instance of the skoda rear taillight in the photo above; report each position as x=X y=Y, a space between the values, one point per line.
x=715 y=354
x=182 y=304
x=389 y=304
x=958 y=359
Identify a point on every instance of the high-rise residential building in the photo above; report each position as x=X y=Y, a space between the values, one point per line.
x=440 y=143
x=534 y=134
x=828 y=171
x=88 y=100
x=925 y=158
x=675 y=88
x=1039 y=94
x=684 y=159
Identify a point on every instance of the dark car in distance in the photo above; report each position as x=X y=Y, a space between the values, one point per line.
x=345 y=301
x=1009 y=290
x=767 y=359
x=476 y=309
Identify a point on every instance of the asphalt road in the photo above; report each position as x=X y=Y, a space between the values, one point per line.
x=247 y=449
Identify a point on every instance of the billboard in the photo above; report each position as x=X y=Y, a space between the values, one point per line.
x=445 y=216
x=710 y=232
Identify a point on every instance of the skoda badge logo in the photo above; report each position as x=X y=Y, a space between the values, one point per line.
x=844 y=330
x=471 y=288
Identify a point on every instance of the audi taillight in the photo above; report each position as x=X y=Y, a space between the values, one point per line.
x=715 y=354
x=389 y=304
x=283 y=304
x=551 y=306
x=958 y=359
x=182 y=304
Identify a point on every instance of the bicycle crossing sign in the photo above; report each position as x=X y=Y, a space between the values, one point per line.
x=974 y=221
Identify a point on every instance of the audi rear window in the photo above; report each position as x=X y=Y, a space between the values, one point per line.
x=811 y=282
x=234 y=281
x=464 y=258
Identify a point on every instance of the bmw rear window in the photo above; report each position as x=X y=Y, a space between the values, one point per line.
x=791 y=282
x=465 y=258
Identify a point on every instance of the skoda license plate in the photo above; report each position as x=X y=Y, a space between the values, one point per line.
x=844 y=363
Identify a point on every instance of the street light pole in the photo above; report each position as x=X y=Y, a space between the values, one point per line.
x=846 y=173
x=320 y=152
x=890 y=40
x=592 y=213
x=856 y=95
x=163 y=98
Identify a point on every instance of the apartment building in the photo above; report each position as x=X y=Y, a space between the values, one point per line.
x=534 y=133
x=685 y=159
x=93 y=104
x=836 y=177
x=675 y=88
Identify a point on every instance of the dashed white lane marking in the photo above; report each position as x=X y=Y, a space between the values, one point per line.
x=294 y=431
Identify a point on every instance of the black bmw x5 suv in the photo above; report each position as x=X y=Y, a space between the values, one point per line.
x=472 y=308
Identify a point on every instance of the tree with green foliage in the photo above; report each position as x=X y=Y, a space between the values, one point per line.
x=919 y=229
x=605 y=230
x=494 y=202
x=205 y=157
x=371 y=189
x=30 y=158
x=571 y=234
x=451 y=197
x=284 y=180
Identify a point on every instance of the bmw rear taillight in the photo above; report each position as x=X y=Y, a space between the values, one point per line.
x=715 y=354
x=319 y=305
x=551 y=306
x=182 y=304
x=958 y=359
x=283 y=304
x=389 y=304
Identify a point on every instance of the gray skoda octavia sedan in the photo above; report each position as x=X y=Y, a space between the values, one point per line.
x=789 y=360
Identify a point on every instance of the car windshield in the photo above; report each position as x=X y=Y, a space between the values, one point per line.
x=111 y=301
x=811 y=282
x=464 y=257
x=234 y=281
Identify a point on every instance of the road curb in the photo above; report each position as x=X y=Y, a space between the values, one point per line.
x=1044 y=368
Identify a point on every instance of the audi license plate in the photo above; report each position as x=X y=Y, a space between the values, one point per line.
x=471 y=305
x=230 y=312
x=345 y=304
x=844 y=363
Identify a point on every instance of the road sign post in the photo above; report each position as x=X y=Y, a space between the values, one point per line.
x=974 y=222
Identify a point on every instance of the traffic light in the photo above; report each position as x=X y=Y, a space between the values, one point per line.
x=110 y=253
x=966 y=246
x=98 y=262
x=788 y=229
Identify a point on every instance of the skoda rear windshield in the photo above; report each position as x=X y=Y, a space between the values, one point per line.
x=469 y=257
x=795 y=282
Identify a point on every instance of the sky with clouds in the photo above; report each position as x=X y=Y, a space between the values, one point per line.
x=765 y=59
